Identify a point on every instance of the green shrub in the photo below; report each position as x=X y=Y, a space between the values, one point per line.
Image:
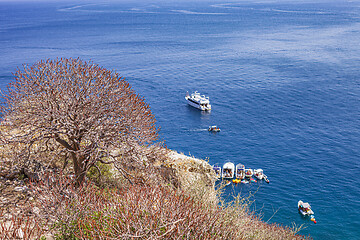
x=101 y=174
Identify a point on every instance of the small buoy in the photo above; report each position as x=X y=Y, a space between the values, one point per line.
x=313 y=219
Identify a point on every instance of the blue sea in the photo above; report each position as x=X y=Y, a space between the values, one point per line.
x=283 y=79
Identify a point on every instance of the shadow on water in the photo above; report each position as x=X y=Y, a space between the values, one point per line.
x=196 y=114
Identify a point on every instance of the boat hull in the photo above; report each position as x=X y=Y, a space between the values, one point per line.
x=217 y=171
x=258 y=173
x=240 y=171
x=304 y=212
x=198 y=106
x=213 y=129
x=249 y=173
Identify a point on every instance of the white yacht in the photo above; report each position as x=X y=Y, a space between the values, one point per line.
x=198 y=101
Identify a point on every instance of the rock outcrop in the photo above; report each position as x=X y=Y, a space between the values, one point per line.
x=194 y=176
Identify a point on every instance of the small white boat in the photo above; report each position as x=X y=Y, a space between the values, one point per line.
x=305 y=208
x=217 y=170
x=228 y=170
x=214 y=129
x=259 y=173
x=244 y=181
x=248 y=173
x=240 y=171
x=198 y=101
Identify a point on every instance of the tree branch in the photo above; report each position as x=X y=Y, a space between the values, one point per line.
x=63 y=142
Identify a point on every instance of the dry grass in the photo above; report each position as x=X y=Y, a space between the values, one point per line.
x=148 y=212
x=135 y=211
x=20 y=227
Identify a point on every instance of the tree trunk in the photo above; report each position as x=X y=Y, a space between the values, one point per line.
x=79 y=168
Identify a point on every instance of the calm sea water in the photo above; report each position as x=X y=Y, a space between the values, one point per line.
x=283 y=79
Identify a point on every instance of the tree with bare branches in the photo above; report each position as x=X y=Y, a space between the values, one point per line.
x=78 y=110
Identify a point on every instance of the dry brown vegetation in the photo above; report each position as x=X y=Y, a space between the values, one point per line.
x=137 y=211
x=20 y=227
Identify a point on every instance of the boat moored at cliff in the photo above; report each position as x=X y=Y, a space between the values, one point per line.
x=249 y=173
x=259 y=173
x=217 y=170
x=228 y=170
x=240 y=171
x=198 y=101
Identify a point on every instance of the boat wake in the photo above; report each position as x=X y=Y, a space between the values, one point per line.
x=196 y=130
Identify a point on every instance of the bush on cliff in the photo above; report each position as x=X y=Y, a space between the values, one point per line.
x=76 y=112
x=147 y=212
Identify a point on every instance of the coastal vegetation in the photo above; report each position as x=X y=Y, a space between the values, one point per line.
x=79 y=160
